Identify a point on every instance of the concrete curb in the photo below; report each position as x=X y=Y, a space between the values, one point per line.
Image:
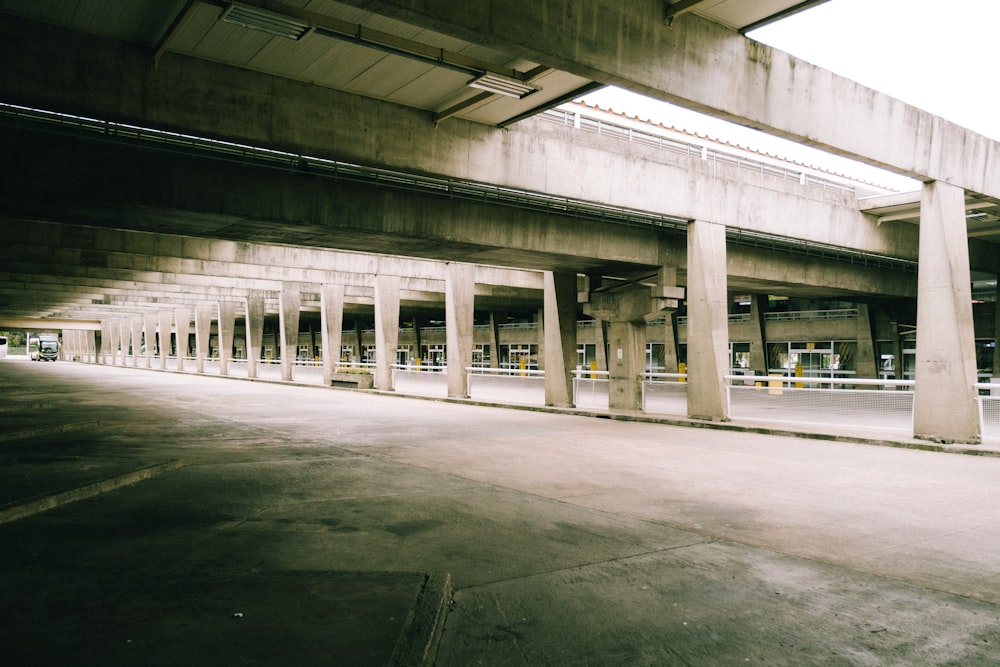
x=57 y=500
x=417 y=644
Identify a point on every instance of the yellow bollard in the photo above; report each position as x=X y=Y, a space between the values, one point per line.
x=798 y=374
x=593 y=367
x=682 y=369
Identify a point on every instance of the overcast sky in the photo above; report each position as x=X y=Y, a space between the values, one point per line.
x=937 y=55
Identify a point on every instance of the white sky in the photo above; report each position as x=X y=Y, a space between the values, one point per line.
x=934 y=54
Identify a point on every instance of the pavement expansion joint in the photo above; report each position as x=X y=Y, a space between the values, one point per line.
x=53 y=501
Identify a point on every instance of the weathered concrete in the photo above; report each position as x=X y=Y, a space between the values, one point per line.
x=559 y=338
x=944 y=401
x=331 y=328
x=708 y=67
x=580 y=541
x=149 y=331
x=459 y=303
x=625 y=313
x=202 y=331
x=708 y=321
x=227 y=330
x=254 y=330
x=136 y=323
x=289 y=306
x=165 y=322
x=183 y=324
x=386 y=328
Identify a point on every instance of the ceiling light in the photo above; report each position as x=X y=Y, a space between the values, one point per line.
x=266 y=21
x=503 y=85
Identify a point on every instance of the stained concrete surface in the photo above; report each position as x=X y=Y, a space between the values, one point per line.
x=302 y=522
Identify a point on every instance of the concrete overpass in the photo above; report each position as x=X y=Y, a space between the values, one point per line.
x=407 y=93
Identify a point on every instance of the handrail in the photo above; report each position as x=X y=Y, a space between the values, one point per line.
x=480 y=370
x=784 y=379
x=579 y=372
x=676 y=376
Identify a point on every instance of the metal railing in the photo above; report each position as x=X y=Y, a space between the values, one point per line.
x=576 y=120
x=840 y=401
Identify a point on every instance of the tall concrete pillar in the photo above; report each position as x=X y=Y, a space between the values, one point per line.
x=625 y=313
x=459 y=300
x=135 y=324
x=125 y=336
x=289 y=306
x=559 y=337
x=866 y=365
x=601 y=344
x=166 y=324
x=202 y=333
x=418 y=338
x=227 y=331
x=898 y=372
x=996 y=333
x=92 y=346
x=115 y=333
x=708 y=321
x=183 y=323
x=540 y=333
x=149 y=331
x=670 y=343
x=359 y=348
x=944 y=401
x=331 y=328
x=255 y=331
x=495 y=320
x=386 y=329
x=758 y=340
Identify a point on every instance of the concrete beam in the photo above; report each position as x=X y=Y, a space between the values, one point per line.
x=705 y=66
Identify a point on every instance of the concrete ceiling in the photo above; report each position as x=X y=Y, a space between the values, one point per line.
x=327 y=44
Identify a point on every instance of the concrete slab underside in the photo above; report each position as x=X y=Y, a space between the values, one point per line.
x=570 y=540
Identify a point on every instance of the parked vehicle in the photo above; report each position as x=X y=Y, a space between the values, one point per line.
x=44 y=347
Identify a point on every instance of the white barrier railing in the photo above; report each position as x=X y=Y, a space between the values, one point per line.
x=506 y=385
x=590 y=389
x=665 y=393
x=837 y=401
x=989 y=409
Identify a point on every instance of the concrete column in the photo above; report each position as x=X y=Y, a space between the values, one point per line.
x=289 y=306
x=670 y=343
x=202 y=333
x=495 y=339
x=166 y=324
x=601 y=344
x=559 y=337
x=359 y=347
x=92 y=346
x=625 y=313
x=255 y=331
x=459 y=300
x=944 y=402
x=386 y=329
x=418 y=338
x=125 y=336
x=183 y=323
x=331 y=328
x=135 y=325
x=149 y=332
x=996 y=332
x=866 y=365
x=708 y=321
x=897 y=353
x=227 y=330
x=758 y=341
x=540 y=335
x=114 y=341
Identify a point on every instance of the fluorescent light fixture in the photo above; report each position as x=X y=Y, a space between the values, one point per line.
x=272 y=23
x=502 y=85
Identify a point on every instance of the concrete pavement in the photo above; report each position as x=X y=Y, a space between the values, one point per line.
x=235 y=522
